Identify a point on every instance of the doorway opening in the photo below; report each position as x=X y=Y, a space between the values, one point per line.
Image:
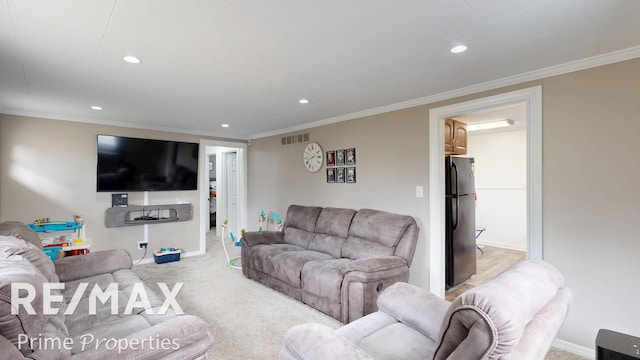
x=531 y=98
x=227 y=161
x=496 y=233
x=213 y=189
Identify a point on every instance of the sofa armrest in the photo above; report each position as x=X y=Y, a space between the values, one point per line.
x=370 y=266
x=252 y=238
x=316 y=341
x=414 y=307
x=183 y=337
x=100 y=262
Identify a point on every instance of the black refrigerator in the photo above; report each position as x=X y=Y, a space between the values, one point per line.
x=460 y=226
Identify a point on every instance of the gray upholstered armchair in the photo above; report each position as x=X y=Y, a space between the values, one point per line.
x=514 y=316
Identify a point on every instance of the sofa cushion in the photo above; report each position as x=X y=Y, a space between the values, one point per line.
x=302 y=217
x=332 y=229
x=327 y=244
x=380 y=335
x=21 y=231
x=334 y=221
x=375 y=233
x=95 y=263
x=117 y=329
x=34 y=326
x=298 y=237
x=287 y=266
x=82 y=319
x=12 y=246
x=300 y=224
x=324 y=278
x=261 y=255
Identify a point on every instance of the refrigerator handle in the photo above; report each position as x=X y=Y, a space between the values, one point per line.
x=455 y=169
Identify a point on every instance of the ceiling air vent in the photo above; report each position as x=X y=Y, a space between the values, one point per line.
x=294 y=139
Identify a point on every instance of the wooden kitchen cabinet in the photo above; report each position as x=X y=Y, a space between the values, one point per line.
x=455 y=137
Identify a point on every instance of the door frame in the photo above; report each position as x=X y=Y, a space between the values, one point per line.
x=241 y=150
x=532 y=98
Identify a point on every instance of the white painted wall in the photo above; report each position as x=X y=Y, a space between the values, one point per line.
x=501 y=177
x=49 y=170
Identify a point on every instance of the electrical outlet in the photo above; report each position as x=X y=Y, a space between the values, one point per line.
x=142 y=244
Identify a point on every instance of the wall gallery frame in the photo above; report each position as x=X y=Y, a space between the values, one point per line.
x=331 y=175
x=340 y=173
x=351 y=156
x=340 y=161
x=331 y=158
x=351 y=175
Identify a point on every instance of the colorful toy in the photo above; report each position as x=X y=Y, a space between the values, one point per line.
x=224 y=228
x=275 y=218
x=78 y=219
x=261 y=219
x=230 y=261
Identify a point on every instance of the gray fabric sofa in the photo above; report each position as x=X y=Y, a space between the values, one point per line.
x=52 y=329
x=516 y=315
x=335 y=260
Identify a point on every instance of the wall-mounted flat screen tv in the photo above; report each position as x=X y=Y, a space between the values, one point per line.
x=132 y=164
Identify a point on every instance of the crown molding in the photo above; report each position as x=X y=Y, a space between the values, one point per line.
x=144 y=126
x=582 y=64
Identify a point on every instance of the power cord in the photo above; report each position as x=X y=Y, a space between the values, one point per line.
x=143 y=255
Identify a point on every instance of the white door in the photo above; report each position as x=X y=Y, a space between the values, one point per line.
x=212 y=199
x=232 y=194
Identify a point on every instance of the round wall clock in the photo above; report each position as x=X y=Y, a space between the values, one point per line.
x=313 y=157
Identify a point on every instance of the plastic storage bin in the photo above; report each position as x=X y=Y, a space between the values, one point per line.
x=161 y=257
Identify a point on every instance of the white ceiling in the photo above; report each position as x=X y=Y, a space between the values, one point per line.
x=246 y=63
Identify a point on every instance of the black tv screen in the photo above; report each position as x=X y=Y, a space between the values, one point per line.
x=131 y=164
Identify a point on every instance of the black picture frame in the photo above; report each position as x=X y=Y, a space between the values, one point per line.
x=340 y=175
x=351 y=175
x=331 y=175
x=351 y=156
x=331 y=158
x=340 y=160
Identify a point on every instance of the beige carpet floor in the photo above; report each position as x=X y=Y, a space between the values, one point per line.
x=247 y=319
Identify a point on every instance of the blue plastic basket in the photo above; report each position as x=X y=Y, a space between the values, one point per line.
x=55 y=226
x=52 y=252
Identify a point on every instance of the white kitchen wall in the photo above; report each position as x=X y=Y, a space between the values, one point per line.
x=501 y=177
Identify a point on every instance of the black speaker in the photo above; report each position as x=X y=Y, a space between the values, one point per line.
x=119 y=200
x=612 y=345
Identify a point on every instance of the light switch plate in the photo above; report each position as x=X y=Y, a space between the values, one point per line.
x=419 y=191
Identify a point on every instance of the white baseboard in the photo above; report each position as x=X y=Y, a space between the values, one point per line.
x=575 y=349
x=193 y=253
x=150 y=260
x=142 y=262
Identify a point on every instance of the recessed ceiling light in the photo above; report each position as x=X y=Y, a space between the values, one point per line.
x=95 y=107
x=458 y=49
x=303 y=101
x=225 y=125
x=131 y=59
